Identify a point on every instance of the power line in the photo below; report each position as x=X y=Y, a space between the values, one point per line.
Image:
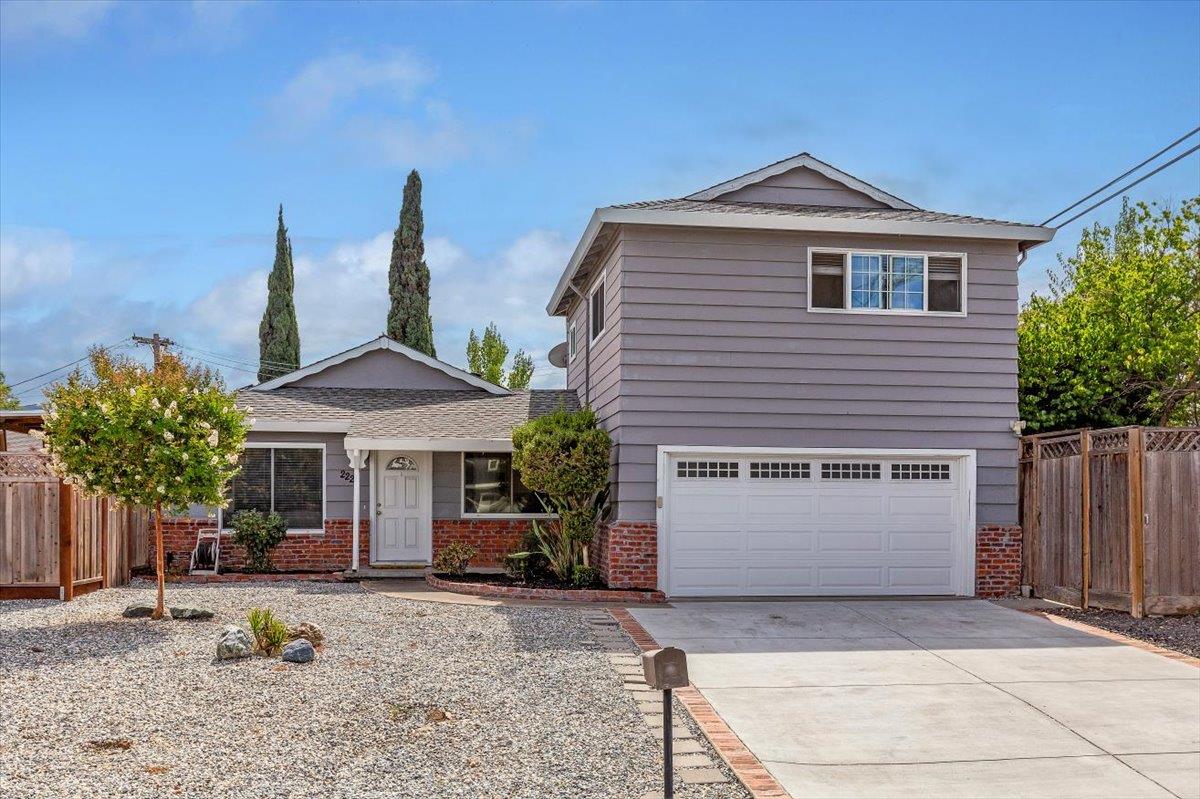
x=64 y=366
x=230 y=362
x=1124 y=189
x=237 y=359
x=1122 y=176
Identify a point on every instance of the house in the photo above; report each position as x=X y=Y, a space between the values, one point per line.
x=412 y=451
x=811 y=385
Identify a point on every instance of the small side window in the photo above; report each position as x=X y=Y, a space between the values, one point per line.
x=597 y=309
x=572 y=342
x=945 y=284
x=828 y=280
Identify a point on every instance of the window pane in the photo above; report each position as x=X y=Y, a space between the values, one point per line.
x=828 y=291
x=299 y=479
x=487 y=482
x=906 y=276
x=866 y=281
x=943 y=295
x=251 y=488
x=598 y=311
x=525 y=500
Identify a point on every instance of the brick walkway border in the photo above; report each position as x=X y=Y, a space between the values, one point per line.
x=1110 y=635
x=749 y=770
x=241 y=577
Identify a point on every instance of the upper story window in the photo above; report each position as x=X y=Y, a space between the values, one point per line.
x=572 y=342
x=882 y=282
x=596 y=308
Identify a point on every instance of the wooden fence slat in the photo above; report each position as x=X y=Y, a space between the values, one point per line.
x=66 y=542
x=1085 y=522
x=1137 y=553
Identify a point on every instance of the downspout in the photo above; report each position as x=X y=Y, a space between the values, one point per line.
x=587 y=346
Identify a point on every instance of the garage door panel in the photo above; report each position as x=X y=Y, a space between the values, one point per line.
x=813 y=531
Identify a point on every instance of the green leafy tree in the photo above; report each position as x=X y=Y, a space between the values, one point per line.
x=564 y=456
x=486 y=357
x=279 y=332
x=1117 y=340
x=8 y=400
x=166 y=437
x=409 y=321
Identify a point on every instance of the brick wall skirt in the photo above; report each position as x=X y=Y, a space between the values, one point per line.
x=299 y=552
x=627 y=554
x=494 y=538
x=997 y=561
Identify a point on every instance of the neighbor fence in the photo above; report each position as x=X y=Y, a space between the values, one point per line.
x=1112 y=518
x=57 y=543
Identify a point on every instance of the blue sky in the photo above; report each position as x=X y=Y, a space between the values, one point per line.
x=144 y=147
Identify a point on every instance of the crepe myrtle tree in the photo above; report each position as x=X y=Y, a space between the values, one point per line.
x=165 y=437
x=564 y=456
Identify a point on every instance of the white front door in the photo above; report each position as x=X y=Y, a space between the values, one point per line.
x=403 y=528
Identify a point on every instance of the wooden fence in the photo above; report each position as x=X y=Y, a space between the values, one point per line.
x=56 y=543
x=1112 y=518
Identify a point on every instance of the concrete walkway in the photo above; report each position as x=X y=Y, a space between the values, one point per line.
x=933 y=698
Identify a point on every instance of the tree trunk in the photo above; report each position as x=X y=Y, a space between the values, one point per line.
x=158 y=560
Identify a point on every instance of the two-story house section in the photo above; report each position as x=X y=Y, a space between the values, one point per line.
x=811 y=385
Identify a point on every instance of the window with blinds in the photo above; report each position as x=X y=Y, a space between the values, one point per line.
x=287 y=480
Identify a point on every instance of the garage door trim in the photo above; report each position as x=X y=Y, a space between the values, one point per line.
x=965 y=571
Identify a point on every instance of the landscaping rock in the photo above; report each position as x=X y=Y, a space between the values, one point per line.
x=299 y=651
x=196 y=614
x=307 y=631
x=234 y=643
x=138 y=611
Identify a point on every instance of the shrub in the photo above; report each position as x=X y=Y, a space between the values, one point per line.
x=585 y=577
x=564 y=456
x=526 y=562
x=454 y=559
x=259 y=533
x=270 y=634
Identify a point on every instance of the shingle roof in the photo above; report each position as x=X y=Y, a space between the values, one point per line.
x=408 y=413
x=829 y=211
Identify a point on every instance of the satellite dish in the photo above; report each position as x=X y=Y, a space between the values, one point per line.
x=558 y=355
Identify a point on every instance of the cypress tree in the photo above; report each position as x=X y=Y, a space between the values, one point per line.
x=279 y=333
x=408 y=320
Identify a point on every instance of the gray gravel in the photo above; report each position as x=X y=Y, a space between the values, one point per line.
x=1179 y=633
x=406 y=699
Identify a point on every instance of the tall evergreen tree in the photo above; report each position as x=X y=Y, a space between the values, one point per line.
x=408 y=320
x=279 y=333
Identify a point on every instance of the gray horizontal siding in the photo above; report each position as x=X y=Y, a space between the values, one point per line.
x=718 y=349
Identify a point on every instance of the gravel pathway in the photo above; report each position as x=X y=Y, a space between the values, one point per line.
x=92 y=704
x=1179 y=633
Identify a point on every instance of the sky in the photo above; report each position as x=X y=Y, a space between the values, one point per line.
x=145 y=148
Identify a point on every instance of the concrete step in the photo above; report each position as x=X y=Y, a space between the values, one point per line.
x=388 y=573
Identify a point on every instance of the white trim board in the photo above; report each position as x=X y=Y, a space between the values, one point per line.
x=807 y=161
x=965 y=585
x=381 y=343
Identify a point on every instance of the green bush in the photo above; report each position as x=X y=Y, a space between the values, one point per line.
x=270 y=634
x=259 y=534
x=564 y=456
x=454 y=559
x=526 y=562
x=586 y=577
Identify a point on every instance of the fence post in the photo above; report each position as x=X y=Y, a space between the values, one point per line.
x=66 y=542
x=1137 y=546
x=104 y=581
x=1035 y=531
x=1085 y=524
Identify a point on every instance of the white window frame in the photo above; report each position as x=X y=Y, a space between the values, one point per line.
x=324 y=483
x=462 y=493
x=572 y=342
x=846 y=252
x=598 y=286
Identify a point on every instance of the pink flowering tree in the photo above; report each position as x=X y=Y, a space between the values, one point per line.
x=167 y=437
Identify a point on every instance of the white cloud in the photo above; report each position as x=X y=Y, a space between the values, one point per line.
x=325 y=84
x=33 y=258
x=31 y=20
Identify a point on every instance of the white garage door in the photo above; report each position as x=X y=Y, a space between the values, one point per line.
x=813 y=524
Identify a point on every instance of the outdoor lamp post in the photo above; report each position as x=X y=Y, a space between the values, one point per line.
x=665 y=669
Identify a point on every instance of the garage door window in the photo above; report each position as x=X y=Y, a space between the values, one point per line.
x=708 y=469
x=851 y=471
x=779 y=470
x=920 y=471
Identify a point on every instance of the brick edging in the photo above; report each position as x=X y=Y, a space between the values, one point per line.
x=745 y=765
x=556 y=594
x=1145 y=646
x=244 y=577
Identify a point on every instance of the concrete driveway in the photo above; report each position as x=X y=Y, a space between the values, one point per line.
x=939 y=698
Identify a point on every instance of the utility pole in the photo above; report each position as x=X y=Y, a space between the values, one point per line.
x=156 y=343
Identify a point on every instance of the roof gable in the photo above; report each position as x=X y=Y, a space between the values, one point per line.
x=381 y=363
x=802 y=180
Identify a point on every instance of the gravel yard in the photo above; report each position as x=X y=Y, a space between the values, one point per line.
x=92 y=704
x=1180 y=633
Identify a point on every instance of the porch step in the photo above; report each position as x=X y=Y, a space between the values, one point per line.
x=388 y=573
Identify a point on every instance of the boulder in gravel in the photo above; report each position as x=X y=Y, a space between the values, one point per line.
x=234 y=643
x=196 y=614
x=308 y=631
x=138 y=611
x=299 y=651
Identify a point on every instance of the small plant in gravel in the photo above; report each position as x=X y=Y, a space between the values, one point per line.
x=270 y=634
x=259 y=533
x=586 y=577
x=454 y=559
